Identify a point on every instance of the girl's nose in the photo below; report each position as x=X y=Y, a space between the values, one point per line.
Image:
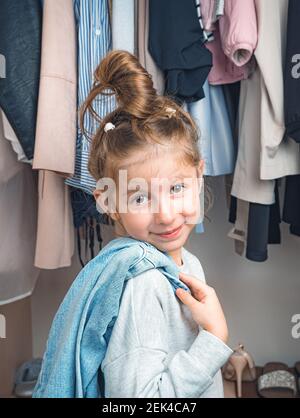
x=164 y=213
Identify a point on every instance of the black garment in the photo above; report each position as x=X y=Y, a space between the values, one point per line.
x=85 y=215
x=20 y=44
x=263 y=228
x=263 y=220
x=232 y=209
x=232 y=99
x=292 y=72
x=176 y=45
x=291 y=208
x=295 y=230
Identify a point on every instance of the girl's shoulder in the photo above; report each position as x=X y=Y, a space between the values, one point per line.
x=150 y=281
x=154 y=281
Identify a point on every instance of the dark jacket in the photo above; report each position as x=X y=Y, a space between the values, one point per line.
x=20 y=44
x=292 y=73
x=176 y=45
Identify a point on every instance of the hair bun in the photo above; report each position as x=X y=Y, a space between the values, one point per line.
x=121 y=72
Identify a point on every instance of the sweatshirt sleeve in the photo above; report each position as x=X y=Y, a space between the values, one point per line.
x=135 y=365
x=238 y=31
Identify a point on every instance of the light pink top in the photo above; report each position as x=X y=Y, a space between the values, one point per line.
x=235 y=40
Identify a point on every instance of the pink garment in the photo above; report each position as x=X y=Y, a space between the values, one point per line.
x=207 y=8
x=235 y=40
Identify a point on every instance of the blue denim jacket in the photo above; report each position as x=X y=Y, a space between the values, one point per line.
x=82 y=326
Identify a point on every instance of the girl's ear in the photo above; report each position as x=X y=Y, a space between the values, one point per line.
x=200 y=168
x=102 y=204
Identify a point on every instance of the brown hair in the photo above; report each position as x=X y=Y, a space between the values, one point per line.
x=141 y=118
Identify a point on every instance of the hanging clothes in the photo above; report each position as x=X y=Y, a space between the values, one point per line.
x=211 y=117
x=255 y=226
x=264 y=153
x=215 y=135
x=263 y=228
x=239 y=215
x=55 y=135
x=235 y=38
x=207 y=34
x=54 y=152
x=232 y=98
x=143 y=54
x=123 y=25
x=262 y=146
x=291 y=207
x=55 y=231
x=292 y=73
x=10 y=135
x=18 y=208
x=176 y=45
x=212 y=10
x=85 y=215
x=94 y=41
x=20 y=44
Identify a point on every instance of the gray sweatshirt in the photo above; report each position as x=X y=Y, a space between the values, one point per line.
x=156 y=349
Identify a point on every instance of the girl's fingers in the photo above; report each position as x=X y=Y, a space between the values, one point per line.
x=186 y=298
x=184 y=275
x=198 y=288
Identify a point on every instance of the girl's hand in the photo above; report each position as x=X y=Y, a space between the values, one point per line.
x=204 y=305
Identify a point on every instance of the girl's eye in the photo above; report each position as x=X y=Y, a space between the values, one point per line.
x=177 y=188
x=139 y=199
x=142 y=199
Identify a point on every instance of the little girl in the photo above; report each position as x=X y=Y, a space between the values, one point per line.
x=161 y=346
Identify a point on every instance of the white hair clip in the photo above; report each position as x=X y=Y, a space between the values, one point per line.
x=170 y=111
x=108 y=126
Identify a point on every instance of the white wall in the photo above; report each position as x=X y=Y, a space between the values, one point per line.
x=259 y=299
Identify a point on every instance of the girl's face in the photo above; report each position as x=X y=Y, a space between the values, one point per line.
x=164 y=207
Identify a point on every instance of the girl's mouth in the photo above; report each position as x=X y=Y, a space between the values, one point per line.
x=171 y=234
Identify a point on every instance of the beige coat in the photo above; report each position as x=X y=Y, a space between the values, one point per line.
x=263 y=154
x=55 y=140
x=18 y=211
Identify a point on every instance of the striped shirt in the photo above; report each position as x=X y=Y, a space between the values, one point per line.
x=94 y=42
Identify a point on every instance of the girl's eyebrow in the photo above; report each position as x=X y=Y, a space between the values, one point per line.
x=179 y=176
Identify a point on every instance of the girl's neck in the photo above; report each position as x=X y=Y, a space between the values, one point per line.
x=176 y=254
